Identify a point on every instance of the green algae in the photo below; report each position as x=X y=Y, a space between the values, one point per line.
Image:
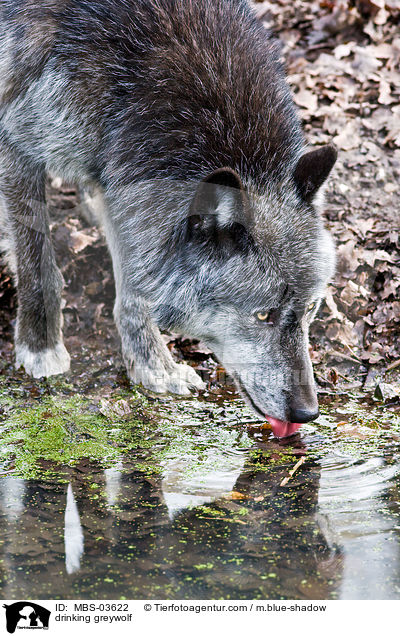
x=356 y=429
x=45 y=436
x=62 y=431
x=352 y=412
x=49 y=426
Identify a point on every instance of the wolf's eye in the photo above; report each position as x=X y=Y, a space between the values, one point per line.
x=311 y=307
x=265 y=317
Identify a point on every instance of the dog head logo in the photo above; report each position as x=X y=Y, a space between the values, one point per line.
x=26 y=615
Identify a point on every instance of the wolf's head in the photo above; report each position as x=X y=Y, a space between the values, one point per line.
x=263 y=261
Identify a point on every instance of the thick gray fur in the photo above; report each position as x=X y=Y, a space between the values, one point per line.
x=142 y=104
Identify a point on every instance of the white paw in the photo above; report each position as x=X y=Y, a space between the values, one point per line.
x=180 y=379
x=183 y=379
x=45 y=363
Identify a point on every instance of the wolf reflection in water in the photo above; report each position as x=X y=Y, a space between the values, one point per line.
x=177 y=537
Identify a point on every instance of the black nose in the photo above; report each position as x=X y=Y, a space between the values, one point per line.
x=301 y=416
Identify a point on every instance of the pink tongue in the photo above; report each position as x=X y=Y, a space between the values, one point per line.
x=282 y=429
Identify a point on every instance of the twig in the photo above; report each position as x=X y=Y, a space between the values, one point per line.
x=352 y=352
x=393 y=365
x=327 y=381
x=346 y=379
x=292 y=472
x=338 y=354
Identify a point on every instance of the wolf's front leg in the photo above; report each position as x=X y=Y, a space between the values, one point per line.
x=147 y=359
x=38 y=340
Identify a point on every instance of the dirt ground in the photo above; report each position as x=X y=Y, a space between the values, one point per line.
x=343 y=61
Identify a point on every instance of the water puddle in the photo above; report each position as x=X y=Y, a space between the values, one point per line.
x=191 y=505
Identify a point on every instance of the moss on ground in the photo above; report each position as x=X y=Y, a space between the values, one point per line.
x=61 y=431
x=49 y=426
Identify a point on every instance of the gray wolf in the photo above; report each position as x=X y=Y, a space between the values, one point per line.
x=177 y=116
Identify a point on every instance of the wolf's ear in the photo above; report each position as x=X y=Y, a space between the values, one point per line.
x=218 y=213
x=313 y=169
